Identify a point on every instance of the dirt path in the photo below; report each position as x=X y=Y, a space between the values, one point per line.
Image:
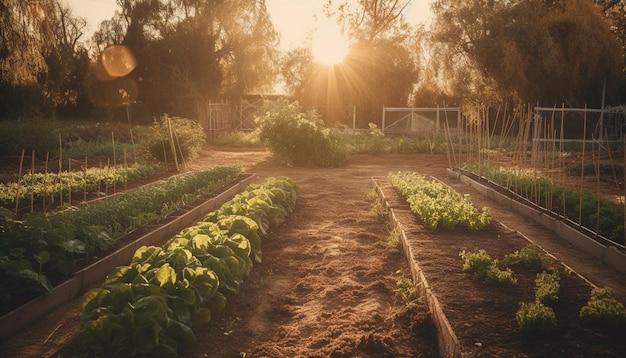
x=325 y=287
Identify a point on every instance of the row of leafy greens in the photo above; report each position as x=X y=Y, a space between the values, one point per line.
x=45 y=247
x=150 y=307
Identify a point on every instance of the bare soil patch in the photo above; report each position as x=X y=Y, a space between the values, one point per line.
x=325 y=287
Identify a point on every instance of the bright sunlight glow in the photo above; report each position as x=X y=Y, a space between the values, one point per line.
x=329 y=46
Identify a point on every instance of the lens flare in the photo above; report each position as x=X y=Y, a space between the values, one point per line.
x=118 y=61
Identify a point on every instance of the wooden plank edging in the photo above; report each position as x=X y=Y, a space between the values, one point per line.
x=606 y=254
x=20 y=318
x=448 y=342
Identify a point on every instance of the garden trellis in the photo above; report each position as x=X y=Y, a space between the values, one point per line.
x=561 y=160
x=410 y=120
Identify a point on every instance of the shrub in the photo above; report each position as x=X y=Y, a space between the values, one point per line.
x=535 y=318
x=188 y=135
x=527 y=258
x=603 y=309
x=547 y=288
x=300 y=138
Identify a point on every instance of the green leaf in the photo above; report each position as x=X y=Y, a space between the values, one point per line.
x=74 y=245
x=40 y=281
x=119 y=275
x=147 y=254
x=42 y=257
x=92 y=300
x=165 y=275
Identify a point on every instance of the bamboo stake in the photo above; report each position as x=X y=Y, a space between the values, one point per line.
x=114 y=163
x=69 y=181
x=45 y=182
x=32 y=188
x=132 y=141
x=597 y=167
x=563 y=156
x=172 y=145
x=85 y=181
x=582 y=171
x=60 y=171
x=19 y=181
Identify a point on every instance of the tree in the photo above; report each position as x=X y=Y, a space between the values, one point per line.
x=378 y=70
x=534 y=51
x=25 y=36
x=190 y=51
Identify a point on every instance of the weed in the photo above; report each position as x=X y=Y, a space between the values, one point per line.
x=406 y=290
x=377 y=208
x=393 y=240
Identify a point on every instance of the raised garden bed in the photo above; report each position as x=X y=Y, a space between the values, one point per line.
x=605 y=250
x=95 y=272
x=476 y=319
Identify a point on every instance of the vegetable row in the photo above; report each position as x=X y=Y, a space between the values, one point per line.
x=594 y=212
x=152 y=306
x=44 y=247
x=48 y=188
x=438 y=205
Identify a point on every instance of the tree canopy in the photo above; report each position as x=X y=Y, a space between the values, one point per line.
x=173 y=56
x=534 y=51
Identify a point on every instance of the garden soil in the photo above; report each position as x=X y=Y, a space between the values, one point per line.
x=327 y=283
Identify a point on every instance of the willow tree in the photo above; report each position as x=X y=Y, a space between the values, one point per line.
x=532 y=51
x=191 y=51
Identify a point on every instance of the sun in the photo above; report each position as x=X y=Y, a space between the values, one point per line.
x=329 y=45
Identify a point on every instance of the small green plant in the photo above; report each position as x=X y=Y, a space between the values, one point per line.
x=527 y=257
x=547 y=286
x=535 y=318
x=603 y=309
x=378 y=208
x=485 y=269
x=393 y=240
x=406 y=290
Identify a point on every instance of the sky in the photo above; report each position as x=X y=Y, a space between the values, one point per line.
x=293 y=19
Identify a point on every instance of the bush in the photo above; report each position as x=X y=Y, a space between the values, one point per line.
x=189 y=138
x=604 y=310
x=535 y=318
x=300 y=138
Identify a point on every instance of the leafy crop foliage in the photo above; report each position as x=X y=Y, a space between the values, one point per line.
x=188 y=135
x=527 y=257
x=547 y=286
x=300 y=138
x=151 y=307
x=604 y=310
x=485 y=269
x=51 y=187
x=438 y=205
x=535 y=318
x=563 y=200
x=45 y=246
